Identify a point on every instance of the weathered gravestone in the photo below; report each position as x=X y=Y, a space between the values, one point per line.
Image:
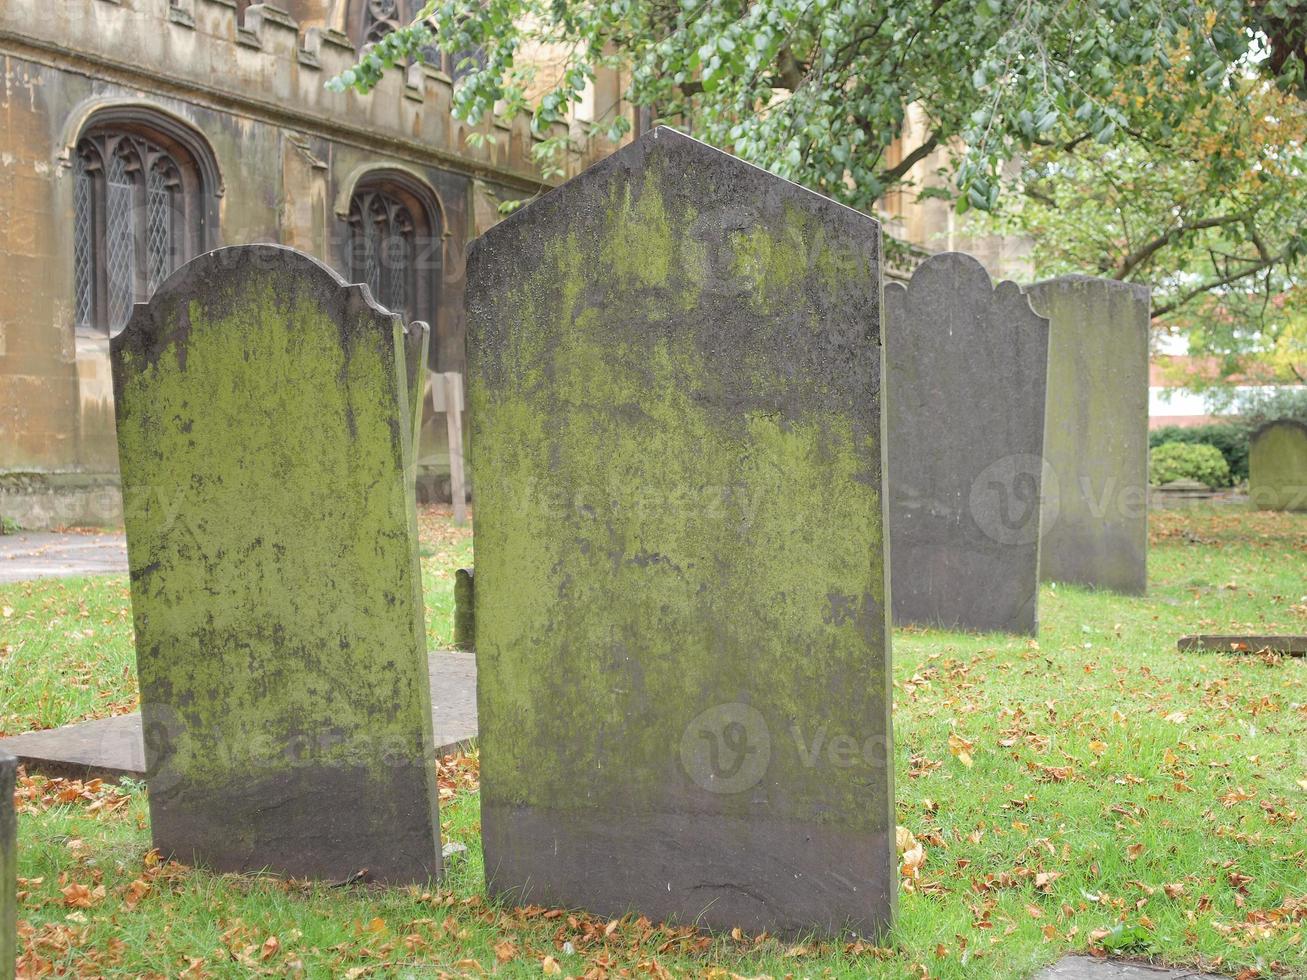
x=965 y=367
x=8 y=867
x=682 y=647
x=1277 y=466
x=417 y=341
x=1095 y=528
x=265 y=437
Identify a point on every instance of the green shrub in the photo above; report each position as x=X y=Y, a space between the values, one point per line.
x=1188 y=461
x=1230 y=438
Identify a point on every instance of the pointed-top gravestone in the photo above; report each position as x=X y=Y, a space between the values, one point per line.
x=1277 y=466
x=265 y=437
x=681 y=638
x=8 y=867
x=1096 y=432
x=965 y=366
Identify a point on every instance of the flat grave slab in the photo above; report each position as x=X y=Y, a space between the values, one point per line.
x=48 y=554
x=1092 y=968
x=110 y=748
x=1293 y=645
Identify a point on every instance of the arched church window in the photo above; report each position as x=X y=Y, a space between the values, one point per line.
x=395 y=245
x=138 y=214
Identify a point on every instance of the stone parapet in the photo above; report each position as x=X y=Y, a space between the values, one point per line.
x=263 y=65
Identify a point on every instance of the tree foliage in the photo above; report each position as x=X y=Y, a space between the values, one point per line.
x=1104 y=100
x=1210 y=214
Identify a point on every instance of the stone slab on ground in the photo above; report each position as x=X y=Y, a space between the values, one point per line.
x=49 y=554
x=1243 y=643
x=113 y=747
x=1091 y=968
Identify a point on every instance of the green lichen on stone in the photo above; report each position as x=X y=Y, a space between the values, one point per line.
x=464 y=610
x=265 y=439
x=669 y=525
x=1277 y=466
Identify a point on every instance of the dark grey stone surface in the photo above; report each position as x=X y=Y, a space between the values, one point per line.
x=8 y=867
x=265 y=445
x=965 y=368
x=1095 y=527
x=681 y=636
x=1094 y=968
x=112 y=747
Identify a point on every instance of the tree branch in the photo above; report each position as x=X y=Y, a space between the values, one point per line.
x=791 y=73
x=1206 y=287
x=1142 y=254
x=895 y=173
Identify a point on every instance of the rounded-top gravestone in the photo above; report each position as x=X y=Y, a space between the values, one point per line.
x=965 y=369
x=1277 y=466
x=265 y=438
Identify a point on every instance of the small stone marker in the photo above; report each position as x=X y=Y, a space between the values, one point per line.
x=265 y=440
x=1277 y=466
x=1295 y=646
x=8 y=867
x=464 y=610
x=417 y=338
x=682 y=646
x=965 y=369
x=1095 y=433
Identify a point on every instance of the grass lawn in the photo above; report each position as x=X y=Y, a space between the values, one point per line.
x=1092 y=790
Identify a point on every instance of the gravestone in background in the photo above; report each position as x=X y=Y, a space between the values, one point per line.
x=265 y=434
x=8 y=867
x=417 y=342
x=682 y=647
x=1095 y=433
x=964 y=394
x=1277 y=466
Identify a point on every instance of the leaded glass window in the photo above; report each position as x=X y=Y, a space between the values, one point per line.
x=394 y=247
x=136 y=212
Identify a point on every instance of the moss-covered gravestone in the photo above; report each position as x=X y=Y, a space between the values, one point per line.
x=1095 y=529
x=8 y=867
x=683 y=661
x=965 y=381
x=265 y=435
x=1277 y=466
